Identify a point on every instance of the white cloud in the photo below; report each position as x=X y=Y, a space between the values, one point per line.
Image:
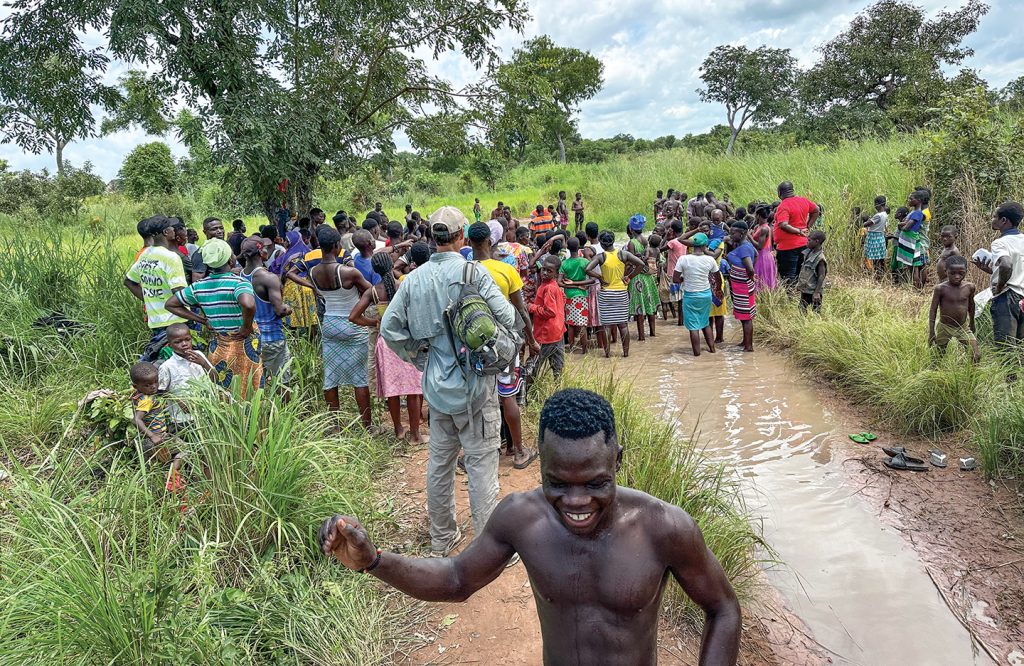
x=652 y=50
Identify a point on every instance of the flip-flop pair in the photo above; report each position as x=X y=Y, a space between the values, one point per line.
x=899 y=460
x=863 y=437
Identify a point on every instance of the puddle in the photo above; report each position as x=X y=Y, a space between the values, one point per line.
x=853 y=581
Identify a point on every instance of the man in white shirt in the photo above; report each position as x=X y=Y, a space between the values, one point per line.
x=1006 y=266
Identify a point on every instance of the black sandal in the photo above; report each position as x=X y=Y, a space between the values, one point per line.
x=903 y=463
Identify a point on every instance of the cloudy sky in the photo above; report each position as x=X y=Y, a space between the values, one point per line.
x=651 y=50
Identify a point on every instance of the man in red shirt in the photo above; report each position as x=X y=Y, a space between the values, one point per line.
x=793 y=219
x=548 y=310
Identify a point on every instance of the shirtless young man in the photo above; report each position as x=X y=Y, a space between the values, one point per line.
x=598 y=555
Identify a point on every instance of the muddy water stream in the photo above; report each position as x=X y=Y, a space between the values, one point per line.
x=853 y=581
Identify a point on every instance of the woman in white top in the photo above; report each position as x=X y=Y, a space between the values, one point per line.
x=345 y=345
x=697 y=273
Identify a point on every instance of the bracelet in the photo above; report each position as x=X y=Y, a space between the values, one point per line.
x=373 y=565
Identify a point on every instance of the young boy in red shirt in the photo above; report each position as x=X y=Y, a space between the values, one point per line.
x=548 y=312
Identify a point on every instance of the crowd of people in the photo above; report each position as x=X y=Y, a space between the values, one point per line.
x=455 y=319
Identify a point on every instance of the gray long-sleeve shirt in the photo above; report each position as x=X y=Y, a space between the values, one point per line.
x=414 y=320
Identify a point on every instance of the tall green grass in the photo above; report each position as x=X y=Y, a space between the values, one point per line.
x=870 y=342
x=661 y=461
x=839 y=179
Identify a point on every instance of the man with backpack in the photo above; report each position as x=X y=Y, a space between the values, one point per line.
x=452 y=322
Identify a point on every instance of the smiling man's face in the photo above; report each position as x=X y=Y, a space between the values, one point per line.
x=579 y=480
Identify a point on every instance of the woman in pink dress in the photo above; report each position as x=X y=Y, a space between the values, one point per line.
x=395 y=377
x=766 y=274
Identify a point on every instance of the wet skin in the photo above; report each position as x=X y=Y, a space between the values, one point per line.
x=598 y=557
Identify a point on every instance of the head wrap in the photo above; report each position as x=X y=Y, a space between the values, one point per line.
x=700 y=240
x=637 y=222
x=296 y=248
x=497 y=231
x=216 y=253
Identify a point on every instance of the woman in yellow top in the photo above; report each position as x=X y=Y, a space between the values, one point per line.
x=613 y=299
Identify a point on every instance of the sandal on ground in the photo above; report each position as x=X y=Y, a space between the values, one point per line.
x=902 y=463
x=860 y=439
x=899 y=450
x=523 y=465
x=869 y=436
x=968 y=465
x=938 y=458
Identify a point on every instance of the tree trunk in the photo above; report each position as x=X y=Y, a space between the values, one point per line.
x=732 y=140
x=561 y=149
x=58 y=150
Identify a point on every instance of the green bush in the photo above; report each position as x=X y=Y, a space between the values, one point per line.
x=149 y=170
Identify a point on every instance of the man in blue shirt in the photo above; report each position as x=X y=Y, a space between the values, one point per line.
x=463 y=405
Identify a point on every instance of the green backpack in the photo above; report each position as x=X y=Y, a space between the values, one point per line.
x=482 y=343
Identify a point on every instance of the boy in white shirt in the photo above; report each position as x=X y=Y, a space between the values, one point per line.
x=184 y=366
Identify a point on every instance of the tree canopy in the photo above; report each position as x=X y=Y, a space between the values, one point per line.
x=284 y=89
x=540 y=90
x=887 y=65
x=49 y=84
x=754 y=85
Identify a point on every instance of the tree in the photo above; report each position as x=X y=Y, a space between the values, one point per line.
x=540 y=90
x=890 y=58
x=1012 y=95
x=286 y=89
x=48 y=85
x=149 y=170
x=755 y=86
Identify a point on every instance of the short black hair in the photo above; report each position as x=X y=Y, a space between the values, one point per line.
x=880 y=200
x=142 y=371
x=419 y=253
x=370 y=223
x=268 y=231
x=327 y=236
x=956 y=260
x=677 y=226
x=576 y=414
x=178 y=326
x=315 y=211
x=606 y=238
x=479 y=232
x=395 y=230
x=592 y=229
x=238 y=225
x=739 y=224
x=210 y=220
x=1012 y=211
x=817 y=233
x=144 y=228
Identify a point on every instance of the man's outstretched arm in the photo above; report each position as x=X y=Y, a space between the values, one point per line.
x=701 y=576
x=428 y=579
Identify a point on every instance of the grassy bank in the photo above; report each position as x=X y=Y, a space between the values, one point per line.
x=871 y=343
x=661 y=461
x=99 y=564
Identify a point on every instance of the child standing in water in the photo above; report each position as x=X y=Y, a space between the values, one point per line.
x=949 y=249
x=574 y=281
x=874 y=245
x=953 y=301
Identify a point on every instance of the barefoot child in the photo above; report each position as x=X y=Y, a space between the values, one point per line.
x=577 y=209
x=949 y=249
x=150 y=411
x=574 y=281
x=874 y=244
x=548 y=311
x=953 y=300
x=812 y=271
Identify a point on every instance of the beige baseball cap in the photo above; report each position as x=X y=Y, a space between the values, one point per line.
x=448 y=219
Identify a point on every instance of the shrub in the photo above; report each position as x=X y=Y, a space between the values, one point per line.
x=149 y=170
